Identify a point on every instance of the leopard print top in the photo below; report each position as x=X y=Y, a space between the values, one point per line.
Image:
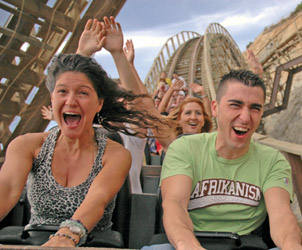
x=52 y=203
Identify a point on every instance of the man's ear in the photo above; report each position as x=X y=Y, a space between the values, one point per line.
x=214 y=108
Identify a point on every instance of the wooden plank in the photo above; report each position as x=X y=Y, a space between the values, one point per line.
x=38 y=9
x=26 y=16
x=22 y=54
x=10 y=71
x=31 y=40
x=293 y=153
x=31 y=118
x=296 y=165
x=8 y=107
x=281 y=145
x=193 y=60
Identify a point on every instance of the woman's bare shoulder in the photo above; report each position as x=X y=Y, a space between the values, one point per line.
x=116 y=152
x=115 y=146
x=34 y=138
x=29 y=142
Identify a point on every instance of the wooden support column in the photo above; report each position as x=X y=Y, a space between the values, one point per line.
x=296 y=165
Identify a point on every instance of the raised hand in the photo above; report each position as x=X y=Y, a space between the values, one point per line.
x=47 y=113
x=197 y=88
x=129 y=51
x=114 y=35
x=254 y=63
x=177 y=85
x=201 y=93
x=92 y=38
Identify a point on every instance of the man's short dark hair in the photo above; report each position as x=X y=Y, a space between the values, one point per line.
x=245 y=77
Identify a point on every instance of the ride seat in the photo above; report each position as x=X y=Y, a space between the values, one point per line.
x=258 y=240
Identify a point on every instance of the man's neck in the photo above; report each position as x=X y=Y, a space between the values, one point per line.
x=227 y=152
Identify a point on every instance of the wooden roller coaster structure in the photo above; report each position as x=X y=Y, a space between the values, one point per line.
x=35 y=30
x=207 y=57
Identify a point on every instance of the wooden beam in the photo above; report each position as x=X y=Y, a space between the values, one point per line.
x=293 y=153
x=281 y=145
x=296 y=165
x=22 y=54
x=31 y=40
x=193 y=60
x=31 y=118
x=26 y=16
x=38 y=9
x=10 y=71
x=8 y=107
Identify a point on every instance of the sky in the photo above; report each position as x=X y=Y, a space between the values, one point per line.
x=149 y=23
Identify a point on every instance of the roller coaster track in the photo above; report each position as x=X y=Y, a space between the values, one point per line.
x=206 y=58
x=202 y=58
x=221 y=54
x=177 y=54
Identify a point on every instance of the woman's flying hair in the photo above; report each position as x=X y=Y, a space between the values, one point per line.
x=118 y=108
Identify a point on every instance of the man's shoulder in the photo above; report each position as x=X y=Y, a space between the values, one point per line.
x=267 y=155
x=264 y=149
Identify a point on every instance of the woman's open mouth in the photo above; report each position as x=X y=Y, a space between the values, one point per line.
x=193 y=124
x=71 y=119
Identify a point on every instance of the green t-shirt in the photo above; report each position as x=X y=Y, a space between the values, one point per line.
x=227 y=195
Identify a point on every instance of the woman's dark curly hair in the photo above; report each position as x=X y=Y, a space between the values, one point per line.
x=118 y=108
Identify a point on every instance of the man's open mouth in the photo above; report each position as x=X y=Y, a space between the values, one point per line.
x=240 y=131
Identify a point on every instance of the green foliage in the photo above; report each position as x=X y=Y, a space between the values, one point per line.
x=250 y=43
x=298 y=8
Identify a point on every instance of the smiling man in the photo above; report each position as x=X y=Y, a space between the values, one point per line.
x=224 y=181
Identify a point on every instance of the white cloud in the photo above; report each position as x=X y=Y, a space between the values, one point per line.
x=142 y=40
x=258 y=17
x=242 y=20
